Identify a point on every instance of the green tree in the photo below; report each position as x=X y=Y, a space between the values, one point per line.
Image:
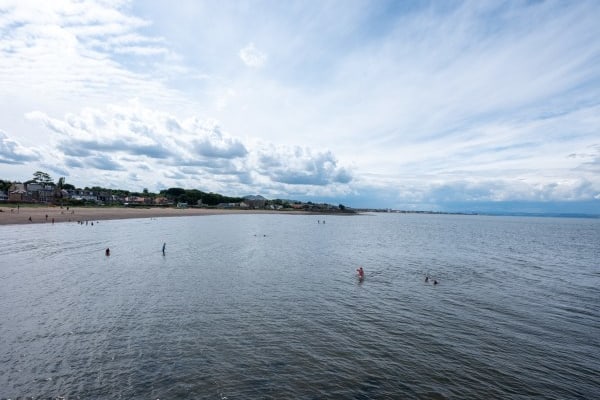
x=5 y=185
x=42 y=177
x=193 y=196
x=173 y=193
x=58 y=189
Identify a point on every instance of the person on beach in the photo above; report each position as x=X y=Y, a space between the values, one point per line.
x=361 y=273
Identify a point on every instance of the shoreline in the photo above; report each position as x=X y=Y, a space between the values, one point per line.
x=12 y=216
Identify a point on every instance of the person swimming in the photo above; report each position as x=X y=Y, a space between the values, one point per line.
x=426 y=278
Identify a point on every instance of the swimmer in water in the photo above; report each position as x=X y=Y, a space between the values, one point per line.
x=426 y=278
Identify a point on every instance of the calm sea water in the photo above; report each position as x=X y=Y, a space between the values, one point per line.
x=268 y=306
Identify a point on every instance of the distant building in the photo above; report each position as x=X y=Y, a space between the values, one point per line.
x=34 y=187
x=84 y=195
x=137 y=200
x=228 y=205
x=105 y=197
x=18 y=196
x=18 y=193
x=161 y=201
x=255 y=201
x=16 y=186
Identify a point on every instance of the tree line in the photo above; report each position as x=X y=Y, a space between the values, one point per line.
x=192 y=196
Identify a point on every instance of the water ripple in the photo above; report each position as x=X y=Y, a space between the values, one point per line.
x=260 y=306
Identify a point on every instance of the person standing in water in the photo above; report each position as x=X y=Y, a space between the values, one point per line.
x=361 y=273
x=107 y=252
x=164 y=248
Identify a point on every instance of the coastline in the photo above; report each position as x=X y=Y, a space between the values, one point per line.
x=12 y=216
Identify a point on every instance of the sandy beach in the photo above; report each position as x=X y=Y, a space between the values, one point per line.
x=47 y=215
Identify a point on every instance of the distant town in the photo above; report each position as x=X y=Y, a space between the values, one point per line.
x=42 y=189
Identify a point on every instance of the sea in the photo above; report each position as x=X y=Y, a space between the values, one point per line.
x=270 y=307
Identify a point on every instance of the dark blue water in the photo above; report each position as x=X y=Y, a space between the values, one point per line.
x=268 y=306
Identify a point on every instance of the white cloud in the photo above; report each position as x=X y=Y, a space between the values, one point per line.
x=133 y=138
x=253 y=57
x=12 y=152
x=65 y=53
x=300 y=166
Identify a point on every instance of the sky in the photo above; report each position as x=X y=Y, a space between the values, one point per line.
x=413 y=105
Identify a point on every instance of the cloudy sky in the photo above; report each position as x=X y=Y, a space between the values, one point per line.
x=442 y=105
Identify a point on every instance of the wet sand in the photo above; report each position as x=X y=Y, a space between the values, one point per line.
x=12 y=216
